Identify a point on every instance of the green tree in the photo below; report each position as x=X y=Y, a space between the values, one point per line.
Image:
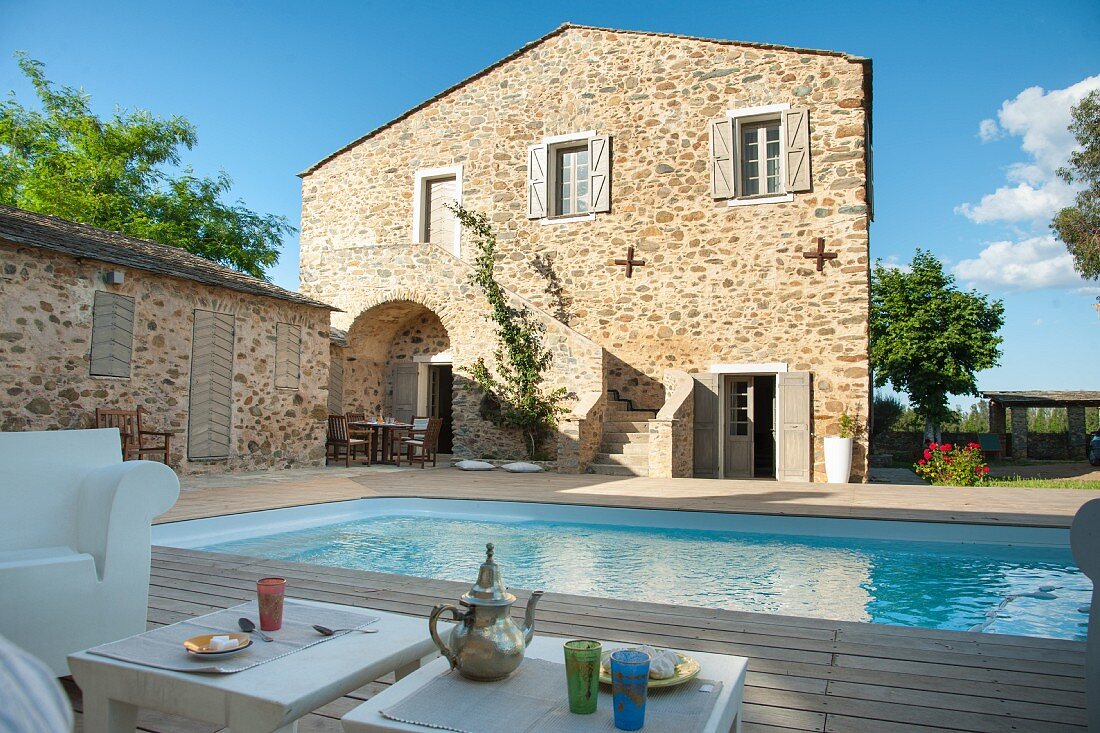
x=886 y=410
x=928 y=338
x=1079 y=225
x=117 y=174
x=516 y=394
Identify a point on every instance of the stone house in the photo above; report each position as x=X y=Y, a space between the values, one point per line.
x=236 y=367
x=688 y=217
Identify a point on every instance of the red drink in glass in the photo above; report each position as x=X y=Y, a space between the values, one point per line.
x=270 y=593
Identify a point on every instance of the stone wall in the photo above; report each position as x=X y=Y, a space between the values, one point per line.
x=721 y=284
x=671 y=433
x=46 y=308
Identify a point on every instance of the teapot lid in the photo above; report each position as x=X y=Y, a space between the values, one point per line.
x=489 y=590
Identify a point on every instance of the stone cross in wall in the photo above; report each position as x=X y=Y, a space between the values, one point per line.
x=630 y=263
x=820 y=254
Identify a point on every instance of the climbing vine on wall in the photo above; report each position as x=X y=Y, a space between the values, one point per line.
x=515 y=388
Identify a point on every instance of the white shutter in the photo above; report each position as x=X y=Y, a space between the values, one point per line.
x=796 y=122
x=705 y=429
x=210 y=412
x=112 y=335
x=405 y=382
x=721 y=158
x=536 y=182
x=599 y=166
x=288 y=355
x=792 y=391
x=441 y=220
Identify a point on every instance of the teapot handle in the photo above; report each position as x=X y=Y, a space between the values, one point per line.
x=432 y=621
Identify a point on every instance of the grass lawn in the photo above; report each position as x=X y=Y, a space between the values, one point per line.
x=1045 y=483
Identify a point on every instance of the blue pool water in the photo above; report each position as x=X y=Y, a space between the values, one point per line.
x=944 y=585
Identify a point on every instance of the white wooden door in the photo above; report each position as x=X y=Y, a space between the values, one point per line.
x=792 y=391
x=738 y=462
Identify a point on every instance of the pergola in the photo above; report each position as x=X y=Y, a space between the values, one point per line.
x=1075 y=402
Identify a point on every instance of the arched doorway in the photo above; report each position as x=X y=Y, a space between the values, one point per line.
x=398 y=363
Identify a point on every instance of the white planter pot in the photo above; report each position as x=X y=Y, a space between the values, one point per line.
x=838 y=460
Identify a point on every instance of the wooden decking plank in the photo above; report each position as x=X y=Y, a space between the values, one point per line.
x=1060 y=682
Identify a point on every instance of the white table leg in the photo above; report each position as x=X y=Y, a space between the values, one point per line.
x=103 y=715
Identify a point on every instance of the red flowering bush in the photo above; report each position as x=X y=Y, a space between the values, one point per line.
x=953 y=465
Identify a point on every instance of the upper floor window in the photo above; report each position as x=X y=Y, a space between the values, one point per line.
x=435 y=189
x=760 y=155
x=569 y=177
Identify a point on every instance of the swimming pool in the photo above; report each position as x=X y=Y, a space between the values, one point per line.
x=933 y=575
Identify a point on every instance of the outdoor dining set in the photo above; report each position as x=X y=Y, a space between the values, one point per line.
x=382 y=440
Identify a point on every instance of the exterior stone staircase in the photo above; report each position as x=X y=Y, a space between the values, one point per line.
x=624 y=450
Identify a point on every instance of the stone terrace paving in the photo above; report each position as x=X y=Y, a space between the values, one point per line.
x=804 y=674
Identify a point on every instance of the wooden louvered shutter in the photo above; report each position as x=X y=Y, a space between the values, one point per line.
x=796 y=122
x=705 y=433
x=336 y=383
x=112 y=335
x=288 y=355
x=721 y=158
x=792 y=398
x=536 y=182
x=211 y=402
x=405 y=382
x=599 y=162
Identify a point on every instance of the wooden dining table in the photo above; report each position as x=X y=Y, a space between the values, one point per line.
x=383 y=434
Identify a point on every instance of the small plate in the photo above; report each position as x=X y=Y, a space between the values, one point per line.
x=200 y=645
x=687 y=669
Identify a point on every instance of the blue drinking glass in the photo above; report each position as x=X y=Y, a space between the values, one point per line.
x=629 y=685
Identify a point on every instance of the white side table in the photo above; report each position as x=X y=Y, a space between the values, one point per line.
x=270 y=697
x=725 y=717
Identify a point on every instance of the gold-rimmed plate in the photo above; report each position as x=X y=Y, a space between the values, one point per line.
x=202 y=646
x=686 y=669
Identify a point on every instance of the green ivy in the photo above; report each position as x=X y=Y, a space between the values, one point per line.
x=514 y=388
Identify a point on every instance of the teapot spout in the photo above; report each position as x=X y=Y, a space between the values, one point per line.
x=529 y=617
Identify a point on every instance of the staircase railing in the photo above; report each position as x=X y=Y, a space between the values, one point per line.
x=580 y=432
x=671 y=433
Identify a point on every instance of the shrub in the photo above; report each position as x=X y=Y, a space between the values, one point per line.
x=953 y=465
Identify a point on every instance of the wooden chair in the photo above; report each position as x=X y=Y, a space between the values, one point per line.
x=338 y=438
x=134 y=444
x=425 y=445
x=397 y=435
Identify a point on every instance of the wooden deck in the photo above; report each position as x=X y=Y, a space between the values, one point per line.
x=804 y=674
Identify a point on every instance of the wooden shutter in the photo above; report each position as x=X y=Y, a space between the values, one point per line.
x=599 y=166
x=440 y=227
x=211 y=402
x=796 y=122
x=792 y=391
x=536 y=182
x=721 y=158
x=405 y=379
x=112 y=335
x=705 y=434
x=288 y=355
x=336 y=383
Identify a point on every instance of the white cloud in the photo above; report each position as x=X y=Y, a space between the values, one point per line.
x=1029 y=264
x=989 y=130
x=1041 y=120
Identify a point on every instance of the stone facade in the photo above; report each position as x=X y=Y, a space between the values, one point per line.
x=46 y=308
x=720 y=284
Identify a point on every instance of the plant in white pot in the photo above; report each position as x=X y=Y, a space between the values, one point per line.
x=838 y=450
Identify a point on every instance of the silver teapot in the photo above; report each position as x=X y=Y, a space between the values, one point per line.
x=486 y=644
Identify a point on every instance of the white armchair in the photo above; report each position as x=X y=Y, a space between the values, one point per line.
x=74 y=540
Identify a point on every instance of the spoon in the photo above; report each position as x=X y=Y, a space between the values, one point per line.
x=326 y=631
x=250 y=628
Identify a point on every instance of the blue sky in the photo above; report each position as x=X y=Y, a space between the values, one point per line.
x=965 y=145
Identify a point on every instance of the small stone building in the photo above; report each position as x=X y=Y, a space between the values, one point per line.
x=688 y=218
x=236 y=367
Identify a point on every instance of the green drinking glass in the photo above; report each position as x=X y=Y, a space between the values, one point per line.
x=582 y=674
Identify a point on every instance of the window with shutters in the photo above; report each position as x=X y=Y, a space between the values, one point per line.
x=288 y=355
x=210 y=408
x=569 y=178
x=112 y=335
x=435 y=189
x=760 y=155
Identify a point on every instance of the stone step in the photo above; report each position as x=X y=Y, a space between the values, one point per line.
x=625 y=449
x=623 y=438
x=629 y=415
x=639 y=463
x=625 y=426
x=611 y=469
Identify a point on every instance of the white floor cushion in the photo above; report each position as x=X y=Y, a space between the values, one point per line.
x=474 y=466
x=521 y=467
